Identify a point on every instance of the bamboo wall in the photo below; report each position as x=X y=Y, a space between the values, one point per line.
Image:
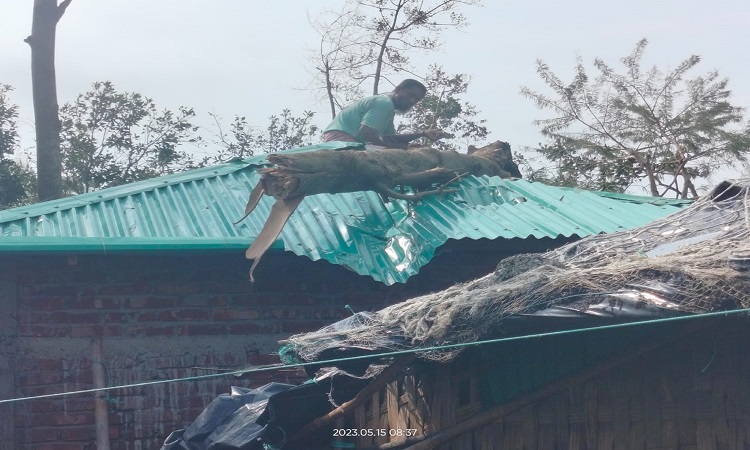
x=692 y=393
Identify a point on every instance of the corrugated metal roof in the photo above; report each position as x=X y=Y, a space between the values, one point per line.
x=388 y=241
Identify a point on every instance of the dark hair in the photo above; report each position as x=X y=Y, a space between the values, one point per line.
x=412 y=84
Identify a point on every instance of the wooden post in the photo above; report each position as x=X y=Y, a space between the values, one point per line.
x=100 y=397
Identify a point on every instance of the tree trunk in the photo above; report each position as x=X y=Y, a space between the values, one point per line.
x=379 y=64
x=383 y=47
x=334 y=172
x=329 y=90
x=651 y=178
x=47 y=122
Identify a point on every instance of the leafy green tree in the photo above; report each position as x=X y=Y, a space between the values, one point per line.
x=620 y=128
x=564 y=168
x=8 y=123
x=16 y=180
x=371 y=40
x=284 y=131
x=111 y=138
x=442 y=108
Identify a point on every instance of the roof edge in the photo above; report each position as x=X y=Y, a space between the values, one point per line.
x=35 y=244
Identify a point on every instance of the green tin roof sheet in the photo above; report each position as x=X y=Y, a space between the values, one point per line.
x=388 y=241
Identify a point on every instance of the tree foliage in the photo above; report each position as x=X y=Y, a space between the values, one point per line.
x=442 y=108
x=620 y=128
x=16 y=180
x=8 y=123
x=565 y=168
x=111 y=138
x=370 y=40
x=284 y=131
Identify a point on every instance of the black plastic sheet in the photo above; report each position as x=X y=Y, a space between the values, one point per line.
x=228 y=423
x=248 y=419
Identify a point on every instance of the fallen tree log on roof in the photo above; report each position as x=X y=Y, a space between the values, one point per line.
x=425 y=170
x=334 y=172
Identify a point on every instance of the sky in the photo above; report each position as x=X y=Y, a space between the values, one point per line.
x=250 y=58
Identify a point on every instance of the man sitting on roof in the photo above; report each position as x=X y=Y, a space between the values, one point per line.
x=370 y=120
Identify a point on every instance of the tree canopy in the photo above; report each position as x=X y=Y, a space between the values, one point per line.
x=443 y=108
x=16 y=180
x=8 y=122
x=243 y=140
x=619 y=128
x=110 y=138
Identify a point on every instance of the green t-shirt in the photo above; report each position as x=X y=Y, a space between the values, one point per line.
x=376 y=112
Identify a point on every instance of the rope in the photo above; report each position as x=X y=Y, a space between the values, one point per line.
x=273 y=367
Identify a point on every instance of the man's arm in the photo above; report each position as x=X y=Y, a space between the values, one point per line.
x=404 y=139
x=371 y=135
x=401 y=140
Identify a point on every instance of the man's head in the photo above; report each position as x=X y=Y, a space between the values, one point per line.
x=407 y=94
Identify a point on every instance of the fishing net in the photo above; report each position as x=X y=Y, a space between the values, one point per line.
x=691 y=262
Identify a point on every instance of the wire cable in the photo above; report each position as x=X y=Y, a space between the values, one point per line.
x=273 y=367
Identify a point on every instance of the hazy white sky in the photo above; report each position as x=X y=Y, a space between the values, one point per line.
x=247 y=57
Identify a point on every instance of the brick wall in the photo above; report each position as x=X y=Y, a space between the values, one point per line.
x=8 y=351
x=168 y=316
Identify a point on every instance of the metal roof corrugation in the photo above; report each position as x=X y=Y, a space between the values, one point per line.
x=388 y=241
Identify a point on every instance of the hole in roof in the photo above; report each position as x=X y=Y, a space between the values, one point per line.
x=725 y=191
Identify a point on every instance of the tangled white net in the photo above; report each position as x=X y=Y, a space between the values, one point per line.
x=691 y=262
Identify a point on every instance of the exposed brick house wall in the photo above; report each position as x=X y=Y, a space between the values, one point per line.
x=167 y=316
